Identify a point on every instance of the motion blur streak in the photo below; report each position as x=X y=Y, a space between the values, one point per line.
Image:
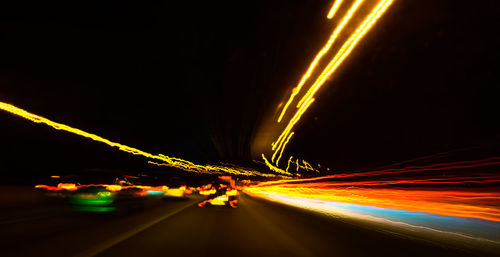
x=288 y=165
x=451 y=227
x=346 y=49
x=411 y=169
x=339 y=57
x=458 y=192
x=334 y=9
x=216 y=169
x=323 y=51
x=173 y=162
x=114 y=188
x=274 y=168
x=290 y=126
x=452 y=203
x=60 y=186
x=283 y=148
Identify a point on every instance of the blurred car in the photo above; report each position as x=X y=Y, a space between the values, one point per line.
x=220 y=195
x=102 y=200
x=176 y=193
x=228 y=197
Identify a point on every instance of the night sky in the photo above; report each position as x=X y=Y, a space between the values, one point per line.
x=199 y=80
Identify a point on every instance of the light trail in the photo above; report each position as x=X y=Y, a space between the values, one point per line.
x=339 y=57
x=321 y=53
x=274 y=168
x=218 y=169
x=290 y=126
x=346 y=49
x=169 y=161
x=334 y=9
x=415 y=188
x=110 y=187
x=411 y=169
x=451 y=166
x=420 y=224
x=288 y=166
x=283 y=148
x=443 y=202
x=308 y=166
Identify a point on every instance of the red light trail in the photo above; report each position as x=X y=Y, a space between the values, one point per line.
x=472 y=194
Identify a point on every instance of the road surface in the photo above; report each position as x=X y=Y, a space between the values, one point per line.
x=180 y=228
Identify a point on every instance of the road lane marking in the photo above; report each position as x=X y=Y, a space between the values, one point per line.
x=116 y=240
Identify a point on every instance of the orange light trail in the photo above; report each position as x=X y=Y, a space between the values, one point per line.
x=232 y=192
x=401 y=171
x=113 y=187
x=443 y=188
x=169 y=161
x=323 y=51
x=208 y=192
x=443 y=202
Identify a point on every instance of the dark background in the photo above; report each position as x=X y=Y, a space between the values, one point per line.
x=195 y=79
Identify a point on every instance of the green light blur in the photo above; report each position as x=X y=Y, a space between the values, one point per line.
x=94 y=208
x=101 y=198
x=83 y=201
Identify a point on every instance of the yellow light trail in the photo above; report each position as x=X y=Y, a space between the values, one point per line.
x=283 y=148
x=290 y=126
x=217 y=169
x=169 y=161
x=308 y=166
x=344 y=51
x=318 y=57
x=289 y=160
x=334 y=9
x=274 y=168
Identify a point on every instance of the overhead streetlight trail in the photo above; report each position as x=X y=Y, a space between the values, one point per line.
x=346 y=49
x=321 y=53
x=280 y=142
x=339 y=57
x=169 y=161
x=278 y=146
x=334 y=9
x=283 y=148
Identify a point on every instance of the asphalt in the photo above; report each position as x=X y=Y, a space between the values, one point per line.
x=180 y=228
